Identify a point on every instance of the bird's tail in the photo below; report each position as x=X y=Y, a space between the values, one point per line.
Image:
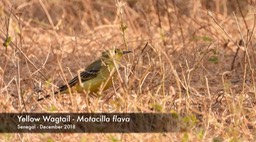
x=42 y=98
x=61 y=89
x=47 y=96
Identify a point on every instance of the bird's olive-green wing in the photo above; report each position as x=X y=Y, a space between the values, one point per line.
x=89 y=73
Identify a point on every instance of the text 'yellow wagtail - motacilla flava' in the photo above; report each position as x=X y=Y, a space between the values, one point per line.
x=97 y=76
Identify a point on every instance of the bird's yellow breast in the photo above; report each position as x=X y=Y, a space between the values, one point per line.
x=101 y=82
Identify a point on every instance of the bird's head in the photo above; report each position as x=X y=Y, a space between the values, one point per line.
x=115 y=54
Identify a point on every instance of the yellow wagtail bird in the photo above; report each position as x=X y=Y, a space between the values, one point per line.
x=97 y=76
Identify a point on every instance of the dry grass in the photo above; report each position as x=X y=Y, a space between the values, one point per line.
x=197 y=63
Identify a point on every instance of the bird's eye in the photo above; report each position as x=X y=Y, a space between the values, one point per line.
x=115 y=51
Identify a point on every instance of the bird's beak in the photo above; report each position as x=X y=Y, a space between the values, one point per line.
x=126 y=52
